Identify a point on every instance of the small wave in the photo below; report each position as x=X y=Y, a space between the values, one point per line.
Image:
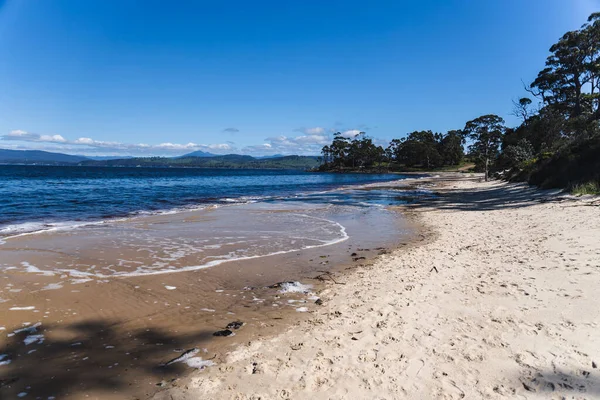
x=294 y=287
x=31 y=228
x=244 y=199
x=142 y=271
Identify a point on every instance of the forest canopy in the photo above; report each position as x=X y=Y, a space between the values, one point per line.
x=556 y=144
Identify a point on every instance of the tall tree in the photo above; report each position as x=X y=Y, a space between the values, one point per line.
x=486 y=134
x=590 y=37
x=451 y=148
x=339 y=150
x=521 y=109
x=420 y=148
x=561 y=83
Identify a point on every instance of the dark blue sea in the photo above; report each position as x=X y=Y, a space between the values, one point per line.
x=35 y=197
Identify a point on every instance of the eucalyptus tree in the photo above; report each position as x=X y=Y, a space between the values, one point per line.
x=569 y=85
x=420 y=148
x=451 y=147
x=486 y=134
x=522 y=110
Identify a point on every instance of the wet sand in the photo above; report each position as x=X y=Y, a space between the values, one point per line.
x=107 y=336
x=499 y=301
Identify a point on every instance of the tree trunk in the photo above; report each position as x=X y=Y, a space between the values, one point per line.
x=487 y=161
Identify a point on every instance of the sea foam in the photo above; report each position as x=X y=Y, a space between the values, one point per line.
x=295 y=287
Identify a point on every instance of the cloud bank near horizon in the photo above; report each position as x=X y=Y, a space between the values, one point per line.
x=309 y=142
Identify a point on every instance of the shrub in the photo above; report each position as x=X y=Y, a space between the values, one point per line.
x=578 y=163
x=586 y=188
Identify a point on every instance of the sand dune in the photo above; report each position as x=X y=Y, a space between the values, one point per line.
x=500 y=300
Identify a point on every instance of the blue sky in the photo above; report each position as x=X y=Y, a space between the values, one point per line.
x=265 y=77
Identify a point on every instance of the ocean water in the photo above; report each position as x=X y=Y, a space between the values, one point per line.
x=39 y=197
x=99 y=223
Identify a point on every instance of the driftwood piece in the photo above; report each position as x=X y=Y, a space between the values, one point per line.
x=328 y=274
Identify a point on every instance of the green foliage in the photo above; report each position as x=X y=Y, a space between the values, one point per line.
x=569 y=85
x=518 y=154
x=419 y=150
x=586 y=188
x=575 y=163
x=451 y=148
x=486 y=133
x=557 y=143
x=232 y=161
x=357 y=153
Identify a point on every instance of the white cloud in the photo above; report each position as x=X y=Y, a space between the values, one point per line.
x=315 y=131
x=220 y=146
x=52 y=138
x=317 y=139
x=87 y=144
x=303 y=145
x=351 y=133
x=84 y=140
x=21 y=135
x=18 y=133
x=309 y=142
x=176 y=146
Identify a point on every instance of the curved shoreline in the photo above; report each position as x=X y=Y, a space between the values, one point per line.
x=153 y=315
x=475 y=312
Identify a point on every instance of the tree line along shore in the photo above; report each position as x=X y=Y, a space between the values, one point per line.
x=556 y=144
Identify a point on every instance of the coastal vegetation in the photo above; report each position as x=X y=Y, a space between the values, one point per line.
x=556 y=144
x=230 y=161
x=420 y=149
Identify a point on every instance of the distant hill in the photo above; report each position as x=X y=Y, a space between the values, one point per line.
x=106 y=157
x=197 y=159
x=232 y=161
x=37 y=157
x=197 y=153
x=273 y=156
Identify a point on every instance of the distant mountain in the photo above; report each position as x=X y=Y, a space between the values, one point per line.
x=197 y=153
x=231 y=161
x=37 y=157
x=273 y=156
x=102 y=158
x=197 y=159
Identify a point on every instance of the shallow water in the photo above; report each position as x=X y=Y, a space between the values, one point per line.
x=172 y=243
x=197 y=236
x=41 y=197
x=107 y=305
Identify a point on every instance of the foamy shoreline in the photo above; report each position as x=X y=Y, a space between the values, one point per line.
x=497 y=302
x=96 y=329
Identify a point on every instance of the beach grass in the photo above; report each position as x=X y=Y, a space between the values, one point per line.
x=590 y=187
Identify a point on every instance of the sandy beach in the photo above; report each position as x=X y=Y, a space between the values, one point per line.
x=497 y=300
x=96 y=312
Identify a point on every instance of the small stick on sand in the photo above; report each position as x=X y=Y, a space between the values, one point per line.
x=326 y=273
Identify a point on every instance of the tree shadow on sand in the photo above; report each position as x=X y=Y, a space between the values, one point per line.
x=584 y=383
x=509 y=196
x=92 y=357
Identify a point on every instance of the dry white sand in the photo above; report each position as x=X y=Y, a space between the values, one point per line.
x=513 y=311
